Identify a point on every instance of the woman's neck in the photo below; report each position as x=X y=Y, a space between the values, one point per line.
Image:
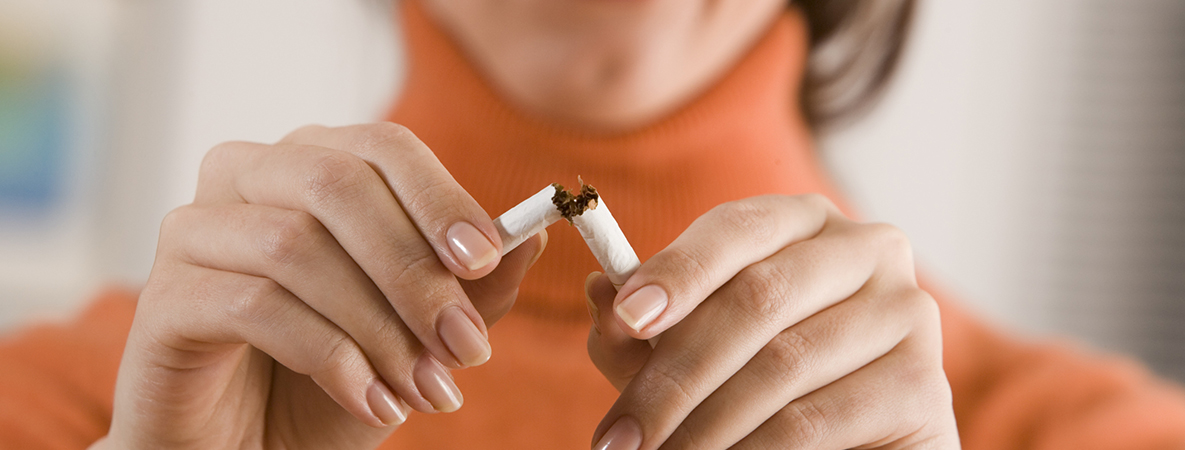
x=600 y=65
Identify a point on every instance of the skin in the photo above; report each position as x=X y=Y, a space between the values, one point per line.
x=304 y=274
x=610 y=65
x=256 y=328
x=812 y=322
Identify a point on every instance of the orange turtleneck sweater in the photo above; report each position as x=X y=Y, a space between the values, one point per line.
x=742 y=137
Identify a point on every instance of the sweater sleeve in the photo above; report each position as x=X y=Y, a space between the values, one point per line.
x=57 y=382
x=1010 y=394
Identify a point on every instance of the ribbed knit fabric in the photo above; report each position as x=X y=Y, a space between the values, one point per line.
x=742 y=137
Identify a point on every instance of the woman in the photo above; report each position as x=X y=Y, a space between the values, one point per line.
x=320 y=289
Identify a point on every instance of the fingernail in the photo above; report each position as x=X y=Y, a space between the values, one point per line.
x=384 y=405
x=436 y=385
x=471 y=247
x=593 y=311
x=542 y=246
x=643 y=306
x=625 y=434
x=462 y=337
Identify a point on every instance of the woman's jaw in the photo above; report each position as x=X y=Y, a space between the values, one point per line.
x=606 y=65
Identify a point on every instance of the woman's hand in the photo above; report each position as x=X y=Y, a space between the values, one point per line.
x=314 y=292
x=784 y=325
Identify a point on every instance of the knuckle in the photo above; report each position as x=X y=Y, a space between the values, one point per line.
x=761 y=291
x=389 y=328
x=819 y=201
x=174 y=221
x=336 y=177
x=215 y=158
x=217 y=168
x=804 y=424
x=690 y=266
x=924 y=313
x=254 y=302
x=290 y=237
x=930 y=389
x=412 y=273
x=418 y=277
x=383 y=136
x=942 y=395
x=940 y=391
x=305 y=130
x=664 y=381
x=336 y=356
x=749 y=218
x=215 y=162
x=922 y=306
x=436 y=200
x=892 y=239
x=684 y=437
x=789 y=357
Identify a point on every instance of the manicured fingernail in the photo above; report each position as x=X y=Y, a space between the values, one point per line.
x=625 y=434
x=542 y=246
x=462 y=337
x=471 y=247
x=384 y=405
x=436 y=385
x=643 y=306
x=593 y=311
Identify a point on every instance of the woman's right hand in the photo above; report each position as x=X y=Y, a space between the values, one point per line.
x=314 y=292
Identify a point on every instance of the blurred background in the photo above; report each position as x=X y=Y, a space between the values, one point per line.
x=1033 y=150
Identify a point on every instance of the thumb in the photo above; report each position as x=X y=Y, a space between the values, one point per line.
x=617 y=355
x=494 y=294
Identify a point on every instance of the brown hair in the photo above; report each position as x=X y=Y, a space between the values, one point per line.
x=855 y=46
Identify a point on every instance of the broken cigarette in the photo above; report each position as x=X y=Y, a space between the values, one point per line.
x=587 y=212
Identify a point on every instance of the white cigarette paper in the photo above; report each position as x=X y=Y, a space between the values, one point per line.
x=527 y=219
x=596 y=225
x=608 y=244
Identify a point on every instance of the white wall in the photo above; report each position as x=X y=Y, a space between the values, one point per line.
x=958 y=152
x=1034 y=152
x=234 y=70
x=46 y=251
x=184 y=76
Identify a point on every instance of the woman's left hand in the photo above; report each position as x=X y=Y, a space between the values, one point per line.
x=784 y=325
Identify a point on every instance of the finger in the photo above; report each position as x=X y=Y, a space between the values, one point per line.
x=336 y=429
x=493 y=295
x=293 y=249
x=696 y=356
x=459 y=230
x=349 y=199
x=806 y=357
x=711 y=251
x=896 y=401
x=617 y=355
x=221 y=308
